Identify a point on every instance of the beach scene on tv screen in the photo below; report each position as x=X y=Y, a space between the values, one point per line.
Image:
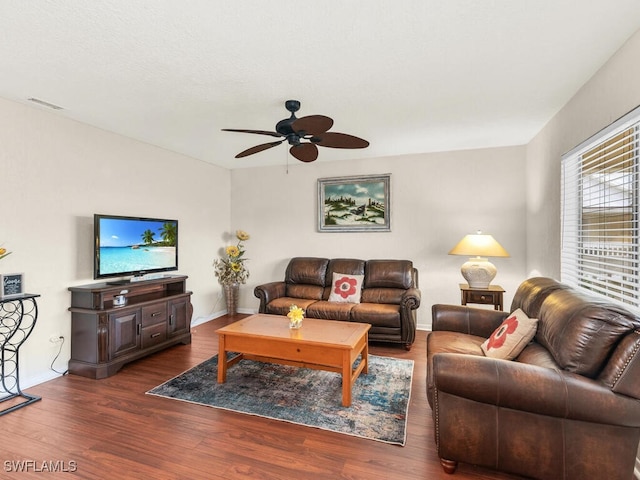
x=136 y=245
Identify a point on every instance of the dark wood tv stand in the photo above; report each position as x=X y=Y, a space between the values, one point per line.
x=104 y=337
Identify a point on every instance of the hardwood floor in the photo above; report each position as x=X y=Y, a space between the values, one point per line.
x=109 y=428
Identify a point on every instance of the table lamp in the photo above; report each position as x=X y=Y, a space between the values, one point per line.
x=478 y=271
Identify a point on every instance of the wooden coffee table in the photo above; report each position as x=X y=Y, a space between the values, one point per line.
x=320 y=344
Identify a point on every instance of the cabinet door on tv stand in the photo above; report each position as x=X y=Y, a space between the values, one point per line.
x=179 y=316
x=123 y=332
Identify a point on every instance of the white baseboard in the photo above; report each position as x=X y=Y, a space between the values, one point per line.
x=28 y=382
x=200 y=320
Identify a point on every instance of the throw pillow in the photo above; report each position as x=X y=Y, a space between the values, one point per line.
x=510 y=338
x=346 y=288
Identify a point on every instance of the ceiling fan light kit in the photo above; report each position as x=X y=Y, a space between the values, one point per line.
x=303 y=134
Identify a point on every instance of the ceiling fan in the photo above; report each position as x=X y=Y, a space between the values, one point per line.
x=303 y=134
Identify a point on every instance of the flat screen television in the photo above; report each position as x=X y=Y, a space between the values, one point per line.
x=134 y=246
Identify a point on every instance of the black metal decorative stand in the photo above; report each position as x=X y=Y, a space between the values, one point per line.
x=18 y=315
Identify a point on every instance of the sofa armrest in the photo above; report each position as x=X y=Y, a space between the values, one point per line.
x=530 y=388
x=410 y=299
x=409 y=303
x=473 y=321
x=268 y=292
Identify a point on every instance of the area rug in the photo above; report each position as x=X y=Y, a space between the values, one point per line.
x=380 y=398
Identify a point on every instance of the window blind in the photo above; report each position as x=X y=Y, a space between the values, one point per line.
x=600 y=213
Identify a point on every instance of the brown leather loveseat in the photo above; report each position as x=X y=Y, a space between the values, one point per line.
x=565 y=408
x=388 y=299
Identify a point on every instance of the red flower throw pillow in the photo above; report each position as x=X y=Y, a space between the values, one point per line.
x=346 y=288
x=510 y=338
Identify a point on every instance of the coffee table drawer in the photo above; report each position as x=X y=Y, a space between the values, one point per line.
x=281 y=350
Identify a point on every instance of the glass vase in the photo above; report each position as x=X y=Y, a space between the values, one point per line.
x=295 y=324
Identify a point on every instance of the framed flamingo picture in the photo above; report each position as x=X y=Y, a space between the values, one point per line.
x=354 y=204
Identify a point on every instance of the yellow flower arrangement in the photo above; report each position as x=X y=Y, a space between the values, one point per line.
x=231 y=269
x=296 y=314
x=3 y=252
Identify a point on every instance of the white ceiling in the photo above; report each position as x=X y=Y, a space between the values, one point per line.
x=410 y=76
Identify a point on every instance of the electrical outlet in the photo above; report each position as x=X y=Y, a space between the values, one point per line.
x=55 y=338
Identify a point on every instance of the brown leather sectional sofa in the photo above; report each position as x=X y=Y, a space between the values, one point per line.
x=566 y=408
x=388 y=301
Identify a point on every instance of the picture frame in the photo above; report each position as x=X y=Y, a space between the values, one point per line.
x=11 y=285
x=354 y=204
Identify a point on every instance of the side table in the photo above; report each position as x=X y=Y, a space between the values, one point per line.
x=18 y=315
x=491 y=295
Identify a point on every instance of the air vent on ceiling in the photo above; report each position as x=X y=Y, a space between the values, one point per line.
x=45 y=104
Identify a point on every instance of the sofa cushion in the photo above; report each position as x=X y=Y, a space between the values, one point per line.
x=310 y=292
x=346 y=288
x=281 y=306
x=532 y=292
x=581 y=334
x=382 y=295
x=305 y=277
x=510 y=338
x=377 y=314
x=307 y=271
x=350 y=266
x=388 y=274
x=536 y=354
x=330 y=310
x=454 y=342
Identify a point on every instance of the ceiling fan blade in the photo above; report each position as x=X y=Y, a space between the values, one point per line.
x=259 y=132
x=258 y=148
x=312 y=125
x=305 y=152
x=339 y=140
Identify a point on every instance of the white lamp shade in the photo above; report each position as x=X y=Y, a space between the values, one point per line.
x=479 y=245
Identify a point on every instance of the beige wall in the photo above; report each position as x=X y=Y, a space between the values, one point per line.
x=55 y=174
x=435 y=200
x=612 y=92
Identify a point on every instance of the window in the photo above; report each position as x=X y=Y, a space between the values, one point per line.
x=600 y=210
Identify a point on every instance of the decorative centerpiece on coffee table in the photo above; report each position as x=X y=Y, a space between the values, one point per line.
x=296 y=314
